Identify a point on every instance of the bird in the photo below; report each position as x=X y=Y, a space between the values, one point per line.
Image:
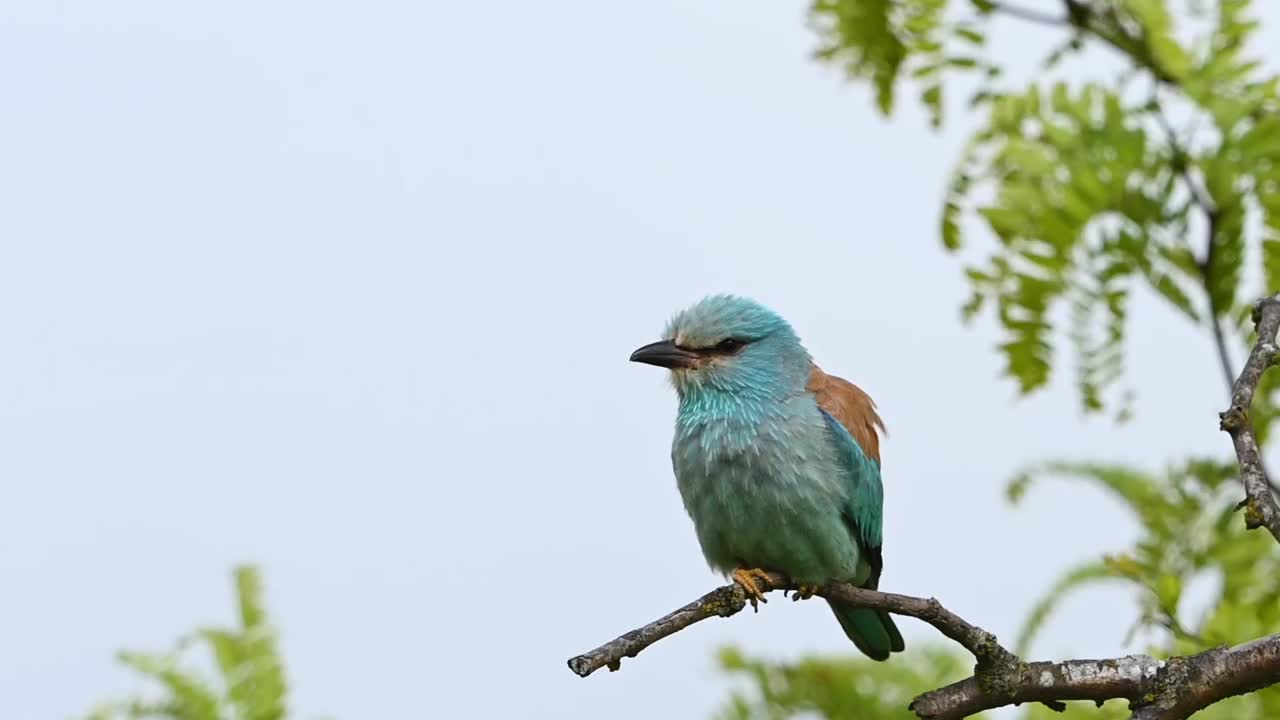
x=777 y=462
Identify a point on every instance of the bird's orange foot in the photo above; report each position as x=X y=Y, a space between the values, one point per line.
x=804 y=592
x=755 y=583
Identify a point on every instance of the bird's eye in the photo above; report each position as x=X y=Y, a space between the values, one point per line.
x=729 y=345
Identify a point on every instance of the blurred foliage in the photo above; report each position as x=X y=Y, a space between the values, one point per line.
x=1190 y=537
x=1164 y=179
x=853 y=687
x=856 y=688
x=249 y=683
x=878 y=40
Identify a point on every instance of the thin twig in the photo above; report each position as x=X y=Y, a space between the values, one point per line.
x=730 y=599
x=1213 y=218
x=721 y=602
x=1260 y=505
x=1034 y=16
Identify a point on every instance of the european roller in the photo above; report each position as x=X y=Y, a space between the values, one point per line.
x=777 y=462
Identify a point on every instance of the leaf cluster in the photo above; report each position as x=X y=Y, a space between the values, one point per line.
x=1165 y=178
x=1191 y=536
x=249 y=683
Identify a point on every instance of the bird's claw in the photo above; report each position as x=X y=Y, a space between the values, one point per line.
x=804 y=592
x=755 y=583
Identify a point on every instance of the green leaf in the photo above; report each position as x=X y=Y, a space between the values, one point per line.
x=1271 y=261
x=1220 y=177
x=932 y=99
x=191 y=697
x=1169 y=290
x=1168 y=591
x=838 y=687
x=227 y=648
x=862 y=37
x=1005 y=223
x=970 y=34
x=249 y=595
x=951 y=226
x=877 y=40
x=1157 y=29
x=252 y=687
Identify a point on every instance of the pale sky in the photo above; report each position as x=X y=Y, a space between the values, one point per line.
x=347 y=289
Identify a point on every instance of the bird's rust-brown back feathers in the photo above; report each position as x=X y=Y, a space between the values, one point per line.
x=851 y=407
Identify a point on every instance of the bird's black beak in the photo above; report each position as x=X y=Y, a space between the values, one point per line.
x=665 y=353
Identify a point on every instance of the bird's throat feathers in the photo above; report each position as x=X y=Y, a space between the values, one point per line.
x=741 y=394
x=731 y=394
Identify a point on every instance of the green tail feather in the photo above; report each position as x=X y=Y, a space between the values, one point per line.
x=872 y=631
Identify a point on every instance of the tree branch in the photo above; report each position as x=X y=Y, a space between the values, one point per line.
x=721 y=602
x=1034 y=16
x=1050 y=682
x=1187 y=684
x=1260 y=504
x=1101 y=22
x=1156 y=689
x=730 y=599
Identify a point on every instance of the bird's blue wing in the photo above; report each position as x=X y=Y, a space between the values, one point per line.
x=865 y=510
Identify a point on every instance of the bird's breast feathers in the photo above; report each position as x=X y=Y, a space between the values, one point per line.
x=713 y=429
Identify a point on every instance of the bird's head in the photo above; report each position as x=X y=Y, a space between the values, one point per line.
x=725 y=343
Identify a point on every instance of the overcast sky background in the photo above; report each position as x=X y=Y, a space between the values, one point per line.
x=347 y=289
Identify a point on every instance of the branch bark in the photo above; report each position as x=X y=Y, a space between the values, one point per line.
x=1156 y=689
x=1260 y=504
x=1187 y=684
x=1048 y=682
x=721 y=602
x=730 y=600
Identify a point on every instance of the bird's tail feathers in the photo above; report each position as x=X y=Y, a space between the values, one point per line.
x=873 y=631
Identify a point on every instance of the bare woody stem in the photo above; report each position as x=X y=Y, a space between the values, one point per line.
x=730 y=599
x=721 y=602
x=1260 y=504
x=1156 y=689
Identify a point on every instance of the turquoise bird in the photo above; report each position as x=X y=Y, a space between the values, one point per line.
x=777 y=462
